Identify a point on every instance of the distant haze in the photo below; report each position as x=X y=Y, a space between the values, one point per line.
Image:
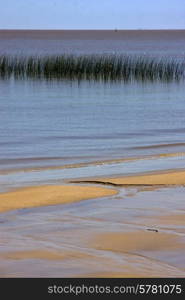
x=96 y=14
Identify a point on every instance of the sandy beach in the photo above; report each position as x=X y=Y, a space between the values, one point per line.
x=132 y=232
x=49 y=195
x=137 y=241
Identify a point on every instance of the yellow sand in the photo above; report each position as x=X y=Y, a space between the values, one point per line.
x=50 y=195
x=33 y=254
x=176 y=219
x=43 y=254
x=166 y=178
x=136 y=241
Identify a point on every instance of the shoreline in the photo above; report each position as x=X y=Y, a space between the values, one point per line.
x=162 y=178
x=44 y=195
x=91 y=163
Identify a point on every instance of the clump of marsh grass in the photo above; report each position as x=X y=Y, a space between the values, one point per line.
x=95 y=67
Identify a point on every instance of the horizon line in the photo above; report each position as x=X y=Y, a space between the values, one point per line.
x=100 y=29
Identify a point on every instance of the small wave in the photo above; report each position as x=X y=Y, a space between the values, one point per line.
x=92 y=163
x=159 y=146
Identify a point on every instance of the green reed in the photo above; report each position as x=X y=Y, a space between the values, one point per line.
x=97 y=67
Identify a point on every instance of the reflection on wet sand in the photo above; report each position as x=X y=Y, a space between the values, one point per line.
x=105 y=237
x=136 y=241
x=43 y=255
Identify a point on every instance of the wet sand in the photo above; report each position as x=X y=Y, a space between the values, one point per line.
x=176 y=219
x=125 y=231
x=42 y=254
x=49 y=195
x=106 y=237
x=137 y=241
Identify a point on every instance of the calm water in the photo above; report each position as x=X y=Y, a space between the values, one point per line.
x=56 y=123
x=73 y=122
x=157 y=42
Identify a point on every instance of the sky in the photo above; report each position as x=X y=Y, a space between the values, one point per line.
x=92 y=14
